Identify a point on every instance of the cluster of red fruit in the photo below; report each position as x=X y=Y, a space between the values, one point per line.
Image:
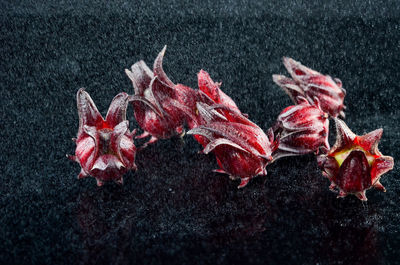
x=106 y=150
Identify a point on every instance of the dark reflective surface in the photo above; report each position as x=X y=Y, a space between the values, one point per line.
x=174 y=210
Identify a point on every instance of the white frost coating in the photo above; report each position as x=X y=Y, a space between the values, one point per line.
x=212 y=145
x=126 y=143
x=100 y=165
x=287 y=113
x=85 y=146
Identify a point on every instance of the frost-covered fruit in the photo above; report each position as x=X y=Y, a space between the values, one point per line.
x=104 y=148
x=354 y=164
x=161 y=108
x=311 y=84
x=301 y=129
x=241 y=148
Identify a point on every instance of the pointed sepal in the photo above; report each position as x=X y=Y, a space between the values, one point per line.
x=87 y=110
x=140 y=75
x=370 y=141
x=158 y=68
x=361 y=195
x=243 y=182
x=117 y=110
x=378 y=185
x=344 y=136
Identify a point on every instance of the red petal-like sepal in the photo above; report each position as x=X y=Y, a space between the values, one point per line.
x=105 y=148
x=370 y=141
x=290 y=87
x=213 y=91
x=87 y=111
x=354 y=164
x=158 y=68
x=344 y=136
x=380 y=166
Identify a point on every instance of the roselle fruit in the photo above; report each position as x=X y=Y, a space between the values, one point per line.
x=241 y=148
x=301 y=129
x=312 y=85
x=354 y=164
x=104 y=148
x=161 y=108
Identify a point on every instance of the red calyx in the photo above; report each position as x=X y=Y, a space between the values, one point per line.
x=105 y=148
x=161 y=108
x=354 y=164
x=301 y=129
x=312 y=85
x=241 y=148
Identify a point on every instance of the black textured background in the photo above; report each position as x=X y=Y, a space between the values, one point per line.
x=174 y=209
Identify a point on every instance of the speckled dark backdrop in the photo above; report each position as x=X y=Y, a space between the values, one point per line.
x=174 y=210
